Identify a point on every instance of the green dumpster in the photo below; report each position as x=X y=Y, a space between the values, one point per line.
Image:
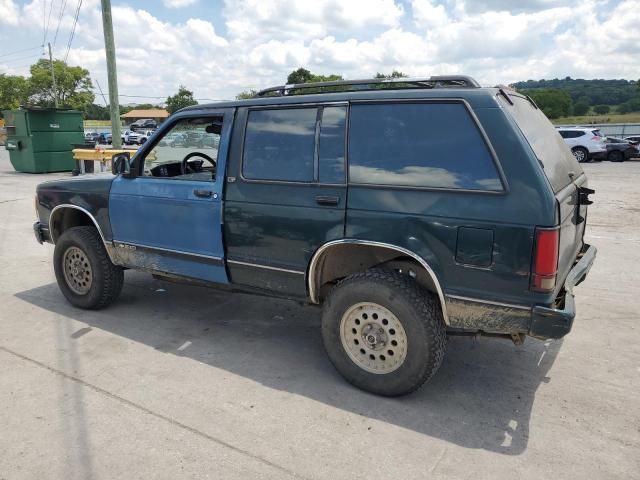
x=40 y=140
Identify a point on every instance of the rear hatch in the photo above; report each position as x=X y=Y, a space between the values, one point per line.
x=563 y=171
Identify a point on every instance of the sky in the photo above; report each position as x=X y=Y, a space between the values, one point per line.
x=218 y=48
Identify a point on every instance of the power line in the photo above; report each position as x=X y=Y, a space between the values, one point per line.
x=44 y=21
x=11 y=60
x=165 y=96
x=60 y=15
x=46 y=30
x=20 y=51
x=73 y=30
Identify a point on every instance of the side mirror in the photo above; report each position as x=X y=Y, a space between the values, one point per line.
x=121 y=164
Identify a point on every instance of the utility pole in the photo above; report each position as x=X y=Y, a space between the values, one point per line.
x=53 y=77
x=112 y=77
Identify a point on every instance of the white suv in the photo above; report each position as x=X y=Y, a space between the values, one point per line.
x=586 y=144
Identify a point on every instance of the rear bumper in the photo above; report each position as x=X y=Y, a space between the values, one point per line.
x=548 y=322
x=598 y=155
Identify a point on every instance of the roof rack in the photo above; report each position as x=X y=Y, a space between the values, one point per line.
x=445 y=81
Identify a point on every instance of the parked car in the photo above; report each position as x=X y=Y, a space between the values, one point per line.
x=91 y=137
x=109 y=138
x=619 y=150
x=169 y=139
x=586 y=143
x=131 y=137
x=144 y=136
x=102 y=138
x=444 y=209
x=145 y=123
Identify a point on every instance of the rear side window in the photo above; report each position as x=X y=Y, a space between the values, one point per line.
x=280 y=145
x=434 y=145
x=548 y=146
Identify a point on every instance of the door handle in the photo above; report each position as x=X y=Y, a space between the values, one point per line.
x=203 y=193
x=327 y=200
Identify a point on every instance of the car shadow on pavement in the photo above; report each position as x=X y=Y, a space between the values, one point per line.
x=481 y=397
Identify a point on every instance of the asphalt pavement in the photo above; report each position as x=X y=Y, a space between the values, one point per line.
x=176 y=382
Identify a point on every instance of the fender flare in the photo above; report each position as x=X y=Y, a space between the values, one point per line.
x=107 y=244
x=311 y=271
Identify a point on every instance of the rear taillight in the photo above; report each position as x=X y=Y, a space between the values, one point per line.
x=545 y=261
x=598 y=139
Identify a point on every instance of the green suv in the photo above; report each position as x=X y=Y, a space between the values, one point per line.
x=409 y=210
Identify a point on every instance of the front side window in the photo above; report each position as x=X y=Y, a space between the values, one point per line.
x=187 y=151
x=280 y=145
x=434 y=145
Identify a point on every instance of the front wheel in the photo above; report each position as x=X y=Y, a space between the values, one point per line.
x=383 y=332
x=84 y=272
x=581 y=154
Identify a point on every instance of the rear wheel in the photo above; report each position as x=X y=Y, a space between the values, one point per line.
x=615 y=156
x=581 y=154
x=383 y=332
x=84 y=272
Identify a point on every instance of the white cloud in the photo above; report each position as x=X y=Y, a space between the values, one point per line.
x=261 y=20
x=178 y=3
x=262 y=41
x=9 y=13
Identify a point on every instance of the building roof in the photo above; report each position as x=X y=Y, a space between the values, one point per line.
x=151 y=113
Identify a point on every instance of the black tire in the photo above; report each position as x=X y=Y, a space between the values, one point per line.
x=615 y=156
x=106 y=278
x=581 y=154
x=416 y=309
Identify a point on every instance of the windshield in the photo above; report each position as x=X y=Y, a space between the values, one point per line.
x=545 y=141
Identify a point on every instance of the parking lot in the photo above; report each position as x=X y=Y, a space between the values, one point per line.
x=189 y=382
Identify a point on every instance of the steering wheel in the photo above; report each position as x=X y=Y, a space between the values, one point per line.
x=184 y=169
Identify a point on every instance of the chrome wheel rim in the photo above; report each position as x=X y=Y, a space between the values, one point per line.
x=77 y=270
x=373 y=337
x=579 y=154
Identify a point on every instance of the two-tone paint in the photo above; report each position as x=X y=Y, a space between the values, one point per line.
x=475 y=246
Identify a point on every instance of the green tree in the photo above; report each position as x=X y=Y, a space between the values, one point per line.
x=14 y=91
x=553 y=102
x=246 y=94
x=301 y=75
x=96 y=112
x=580 y=108
x=394 y=74
x=630 y=106
x=601 y=109
x=184 y=98
x=73 y=85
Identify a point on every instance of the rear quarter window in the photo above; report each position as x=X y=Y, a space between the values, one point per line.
x=546 y=143
x=431 y=145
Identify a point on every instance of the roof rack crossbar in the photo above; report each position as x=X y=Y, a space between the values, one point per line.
x=441 y=81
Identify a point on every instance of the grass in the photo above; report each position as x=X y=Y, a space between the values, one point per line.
x=97 y=123
x=607 y=118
